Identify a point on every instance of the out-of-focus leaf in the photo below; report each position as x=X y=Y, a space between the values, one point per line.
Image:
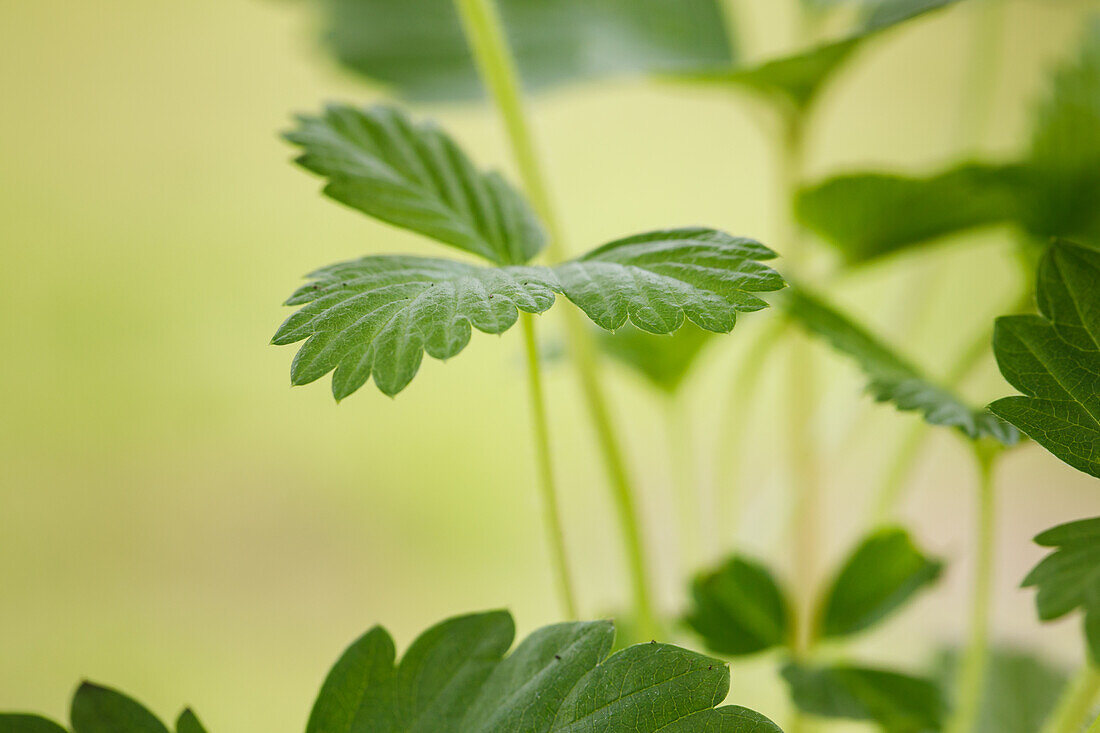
x=893 y=379
x=101 y=710
x=897 y=702
x=455 y=678
x=21 y=723
x=739 y=608
x=189 y=723
x=1069 y=577
x=1020 y=691
x=417 y=47
x=880 y=576
x=663 y=360
x=1054 y=359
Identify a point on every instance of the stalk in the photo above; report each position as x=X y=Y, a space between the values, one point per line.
x=1095 y=727
x=695 y=503
x=971 y=680
x=547 y=486
x=1076 y=703
x=487 y=40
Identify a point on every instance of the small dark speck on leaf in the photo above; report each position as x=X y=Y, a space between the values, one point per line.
x=710 y=666
x=557 y=656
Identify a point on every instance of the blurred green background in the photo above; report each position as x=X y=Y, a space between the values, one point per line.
x=179 y=523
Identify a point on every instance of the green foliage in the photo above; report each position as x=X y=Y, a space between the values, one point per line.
x=98 y=709
x=417 y=47
x=739 y=609
x=1054 y=359
x=456 y=678
x=19 y=723
x=665 y=361
x=414 y=176
x=883 y=573
x=893 y=379
x=189 y=723
x=898 y=703
x=1069 y=578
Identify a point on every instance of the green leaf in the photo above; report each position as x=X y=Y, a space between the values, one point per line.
x=1054 y=359
x=893 y=379
x=416 y=177
x=456 y=678
x=21 y=723
x=664 y=361
x=377 y=315
x=1019 y=694
x=189 y=723
x=883 y=573
x=898 y=703
x=739 y=609
x=798 y=78
x=101 y=710
x=1069 y=578
x=417 y=46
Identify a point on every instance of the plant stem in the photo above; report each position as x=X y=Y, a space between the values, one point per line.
x=979 y=90
x=1095 y=727
x=971 y=679
x=1076 y=703
x=489 y=44
x=695 y=504
x=541 y=427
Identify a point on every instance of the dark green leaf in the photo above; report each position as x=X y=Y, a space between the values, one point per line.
x=418 y=48
x=1054 y=359
x=456 y=679
x=883 y=573
x=20 y=723
x=899 y=703
x=893 y=379
x=101 y=710
x=416 y=177
x=1020 y=691
x=1069 y=578
x=739 y=609
x=189 y=723
x=664 y=360
x=378 y=315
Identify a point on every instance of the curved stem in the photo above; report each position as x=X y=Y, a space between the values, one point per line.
x=489 y=44
x=551 y=511
x=971 y=679
x=1076 y=703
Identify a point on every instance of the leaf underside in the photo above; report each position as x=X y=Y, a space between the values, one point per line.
x=376 y=316
x=1054 y=359
x=455 y=678
x=665 y=361
x=739 y=609
x=1069 y=578
x=893 y=379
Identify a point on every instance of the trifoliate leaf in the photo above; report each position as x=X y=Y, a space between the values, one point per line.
x=1069 y=578
x=880 y=576
x=416 y=177
x=899 y=703
x=1020 y=690
x=189 y=723
x=377 y=315
x=893 y=379
x=417 y=47
x=1054 y=359
x=739 y=609
x=21 y=723
x=665 y=361
x=101 y=710
x=456 y=678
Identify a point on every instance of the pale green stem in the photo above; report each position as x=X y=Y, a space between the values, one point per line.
x=695 y=505
x=970 y=684
x=551 y=510
x=489 y=44
x=980 y=88
x=1095 y=727
x=1078 y=700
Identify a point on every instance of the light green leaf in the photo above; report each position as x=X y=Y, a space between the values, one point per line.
x=416 y=177
x=189 y=723
x=883 y=573
x=378 y=315
x=1069 y=578
x=893 y=379
x=665 y=361
x=898 y=703
x=417 y=46
x=20 y=723
x=1019 y=694
x=1054 y=359
x=739 y=609
x=455 y=678
x=101 y=710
